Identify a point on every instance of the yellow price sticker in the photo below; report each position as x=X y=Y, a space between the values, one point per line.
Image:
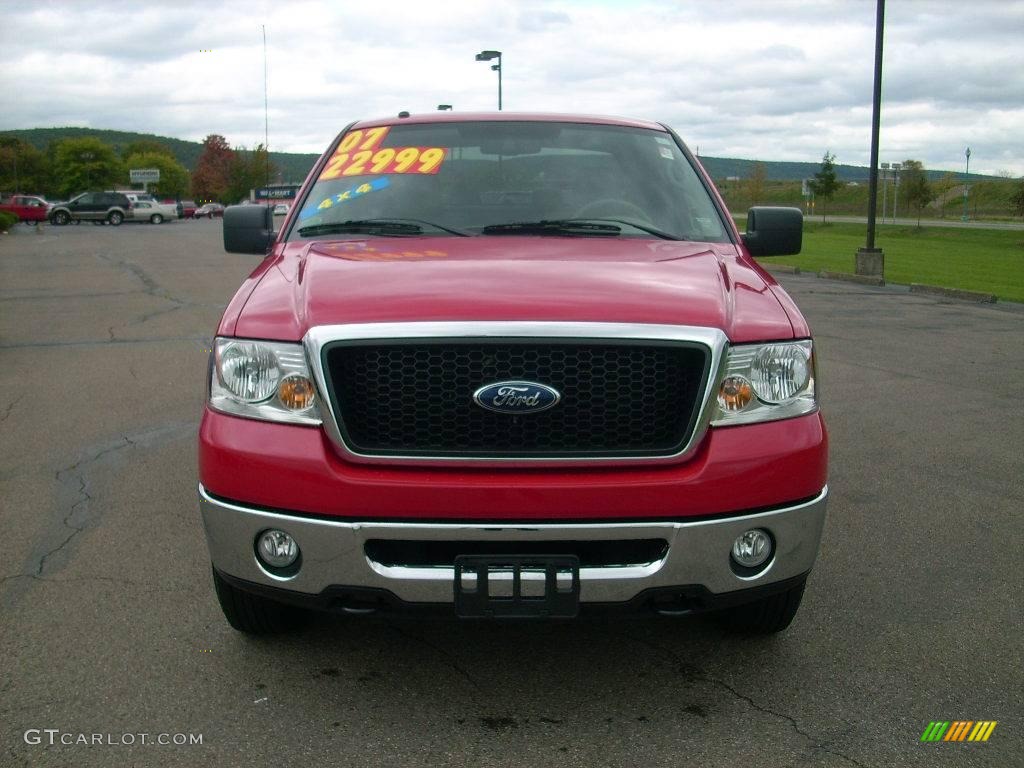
x=425 y=160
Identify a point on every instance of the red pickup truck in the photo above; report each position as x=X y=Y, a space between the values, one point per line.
x=510 y=365
x=26 y=207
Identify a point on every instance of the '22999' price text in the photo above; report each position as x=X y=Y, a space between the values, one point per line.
x=388 y=160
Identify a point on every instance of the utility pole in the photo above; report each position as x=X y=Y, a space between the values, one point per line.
x=869 y=259
x=967 y=178
x=266 y=110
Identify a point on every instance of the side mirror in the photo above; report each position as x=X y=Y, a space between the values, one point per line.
x=248 y=229
x=774 y=231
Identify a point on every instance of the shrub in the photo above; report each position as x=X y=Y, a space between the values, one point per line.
x=7 y=220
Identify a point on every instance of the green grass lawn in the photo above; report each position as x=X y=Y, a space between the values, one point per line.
x=987 y=260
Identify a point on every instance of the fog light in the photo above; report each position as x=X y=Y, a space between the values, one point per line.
x=752 y=548
x=277 y=549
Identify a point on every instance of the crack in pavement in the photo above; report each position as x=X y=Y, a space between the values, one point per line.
x=452 y=662
x=696 y=674
x=10 y=407
x=151 y=288
x=202 y=340
x=76 y=515
x=84 y=497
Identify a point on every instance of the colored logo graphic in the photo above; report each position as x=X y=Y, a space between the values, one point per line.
x=959 y=730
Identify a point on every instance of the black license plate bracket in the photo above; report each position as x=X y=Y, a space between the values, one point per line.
x=517 y=586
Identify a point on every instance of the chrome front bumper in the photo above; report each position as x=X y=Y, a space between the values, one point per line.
x=333 y=552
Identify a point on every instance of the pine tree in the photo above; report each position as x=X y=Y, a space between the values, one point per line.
x=824 y=184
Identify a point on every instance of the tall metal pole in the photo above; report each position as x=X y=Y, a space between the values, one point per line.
x=498 y=67
x=895 y=188
x=967 y=178
x=869 y=259
x=885 y=190
x=266 y=110
x=876 y=115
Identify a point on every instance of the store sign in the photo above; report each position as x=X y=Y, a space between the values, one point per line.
x=277 y=193
x=144 y=175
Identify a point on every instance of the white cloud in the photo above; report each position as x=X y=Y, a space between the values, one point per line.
x=762 y=79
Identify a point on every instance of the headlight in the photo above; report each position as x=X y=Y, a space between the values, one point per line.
x=764 y=382
x=263 y=380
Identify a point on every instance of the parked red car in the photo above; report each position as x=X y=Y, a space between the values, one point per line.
x=209 y=211
x=511 y=365
x=26 y=207
x=186 y=208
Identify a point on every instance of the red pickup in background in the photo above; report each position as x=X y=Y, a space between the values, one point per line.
x=26 y=207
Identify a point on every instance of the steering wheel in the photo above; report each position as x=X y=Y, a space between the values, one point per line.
x=612 y=208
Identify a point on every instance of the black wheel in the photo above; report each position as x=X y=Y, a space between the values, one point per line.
x=765 y=616
x=156 y=218
x=252 y=614
x=115 y=218
x=60 y=218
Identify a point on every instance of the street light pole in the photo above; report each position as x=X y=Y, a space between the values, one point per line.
x=885 y=190
x=869 y=259
x=896 y=168
x=967 y=176
x=487 y=56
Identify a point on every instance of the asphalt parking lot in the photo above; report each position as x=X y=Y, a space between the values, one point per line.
x=109 y=625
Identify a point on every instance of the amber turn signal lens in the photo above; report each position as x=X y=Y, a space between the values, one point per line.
x=735 y=394
x=296 y=393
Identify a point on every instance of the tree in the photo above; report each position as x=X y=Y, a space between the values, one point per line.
x=23 y=168
x=248 y=171
x=212 y=176
x=174 y=177
x=824 y=184
x=945 y=189
x=83 y=164
x=1017 y=198
x=146 y=147
x=915 y=187
x=755 y=184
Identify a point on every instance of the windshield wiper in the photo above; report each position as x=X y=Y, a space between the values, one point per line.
x=642 y=227
x=385 y=227
x=552 y=227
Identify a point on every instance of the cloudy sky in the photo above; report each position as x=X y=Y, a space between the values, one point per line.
x=758 y=79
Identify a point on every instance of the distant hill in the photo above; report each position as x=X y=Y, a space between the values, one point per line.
x=294 y=167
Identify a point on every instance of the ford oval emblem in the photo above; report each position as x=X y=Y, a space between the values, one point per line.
x=516 y=397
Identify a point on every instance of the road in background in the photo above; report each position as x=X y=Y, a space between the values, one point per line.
x=109 y=623
x=815 y=218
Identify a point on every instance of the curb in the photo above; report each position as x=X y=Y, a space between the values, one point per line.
x=862 y=279
x=954 y=293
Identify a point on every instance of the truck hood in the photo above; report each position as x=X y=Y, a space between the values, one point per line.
x=509 y=278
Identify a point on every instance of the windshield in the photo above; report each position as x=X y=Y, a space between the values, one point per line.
x=494 y=178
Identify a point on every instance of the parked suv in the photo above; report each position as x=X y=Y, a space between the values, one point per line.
x=510 y=366
x=110 y=207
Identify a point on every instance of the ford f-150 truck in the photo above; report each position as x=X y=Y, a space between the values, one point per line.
x=516 y=366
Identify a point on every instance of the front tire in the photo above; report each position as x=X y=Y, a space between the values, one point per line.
x=252 y=614
x=115 y=218
x=156 y=218
x=60 y=218
x=765 y=616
